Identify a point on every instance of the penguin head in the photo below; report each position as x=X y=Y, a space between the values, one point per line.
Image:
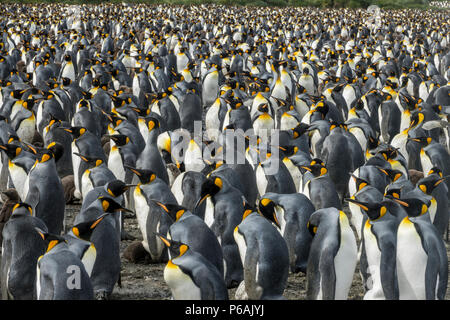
x=144 y=175
x=266 y=208
x=393 y=193
x=67 y=57
x=17 y=94
x=152 y=123
x=11 y=150
x=429 y=183
x=317 y=169
x=299 y=130
x=120 y=139
x=111 y=206
x=117 y=187
x=374 y=210
x=176 y=248
x=22 y=208
x=76 y=132
x=52 y=240
x=209 y=188
x=359 y=182
x=45 y=155
x=416 y=119
x=435 y=171
x=423 y=141
x=414 y=207
x=57 y=149
x=83 y=230
x=66 y=81
x=393 y=174
x=321 y=108
x=174 y=211
x=91 y=161
x=263 y=108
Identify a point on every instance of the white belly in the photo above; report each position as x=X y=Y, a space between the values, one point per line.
x=209 y=212
x=182 y=287
x=426 y=162
x=240 y=241
x=18 y=177
x=411 y=263
x=86 y=184
x=76 y=164
x=357 y=217
x=142 y=211
x=115 y=164
x=177 y=188
x=261 y=180
x=69 y=71
x=88 y=259
x=345 y=259
x=360 y=136
x=295 y=173
x=373 y=254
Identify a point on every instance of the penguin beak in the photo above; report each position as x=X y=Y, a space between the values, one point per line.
x=306 y=168
x=31 y=147
x=162 y=206
x=166 y=242
x=362 y=206
x=439 y=182
x=200 y=201
x=128 y=186
x=403 y=203
x=134 y=170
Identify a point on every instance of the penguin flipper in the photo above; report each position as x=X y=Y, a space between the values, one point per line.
x=388 y=271
x=328 y=274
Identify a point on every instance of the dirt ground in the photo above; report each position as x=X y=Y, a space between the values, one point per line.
x=145 y=281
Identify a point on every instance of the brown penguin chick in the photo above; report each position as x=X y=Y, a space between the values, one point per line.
x=11 y=198
x=136 y=253
x=415 y=176
x=68 y=184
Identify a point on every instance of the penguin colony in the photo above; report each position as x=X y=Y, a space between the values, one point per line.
x=96 y=99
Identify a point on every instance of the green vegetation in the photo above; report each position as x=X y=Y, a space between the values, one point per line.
x=388 y=4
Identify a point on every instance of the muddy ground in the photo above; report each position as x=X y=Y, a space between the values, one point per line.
x=145 y=281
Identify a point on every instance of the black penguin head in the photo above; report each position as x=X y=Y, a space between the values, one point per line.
x=174 y=211
x=111 y=206
x=393 y=174
x=266 y=208
x=322 y=108
x=144 y=175
x=359 y=182
x=83 y=230
x=176 y=248
x=393 y=193
x=67 y=57
x=76 y=132
x=91 y=161
x=264 y=108
x=299 y=130
x=57 y=149
x=416 y=119
x=317 y=169
x=116 y=188
x=429 y=183
x=414 y=207
x=372 y=142
x=436 y=171
x=66 y=81
x=120 y=139
x=374 y=210
x=210 y=187
x=152 y=123
x=11 y=150
x=423 y=141
x=17 y=94
x=52 y=240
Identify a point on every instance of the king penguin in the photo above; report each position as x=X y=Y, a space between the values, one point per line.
x=332 y=257
x=190 y=276
x=264 y=254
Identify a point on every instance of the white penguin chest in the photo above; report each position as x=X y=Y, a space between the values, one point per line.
x=115 y=163
x=142 y=211
x=181 y=285
x=373 y=255
x=88 y=259
x=411 y=262
x=345 y=259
